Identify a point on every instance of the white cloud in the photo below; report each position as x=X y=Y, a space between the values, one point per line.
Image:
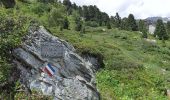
x=140 y=8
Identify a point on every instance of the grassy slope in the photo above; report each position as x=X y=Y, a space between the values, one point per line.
x=133 y=68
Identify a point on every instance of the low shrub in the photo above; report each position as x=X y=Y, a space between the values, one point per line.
x=91 y=24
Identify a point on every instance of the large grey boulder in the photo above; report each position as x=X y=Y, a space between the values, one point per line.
x=73 y=77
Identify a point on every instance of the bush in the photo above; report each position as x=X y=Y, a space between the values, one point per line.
x=40 y=8
x=91 y=24
x=47 y=1
x=56 y=17
x=24 y=1
x=66 y=23
x=108 y=26
x=122 y=63
x=8 y=3
x=11 y=32
x=4 y=70
x=78 y=26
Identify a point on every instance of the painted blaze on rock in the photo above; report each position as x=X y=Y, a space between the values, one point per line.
x=74 y=78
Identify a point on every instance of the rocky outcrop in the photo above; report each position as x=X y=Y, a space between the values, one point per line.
x=70 y=78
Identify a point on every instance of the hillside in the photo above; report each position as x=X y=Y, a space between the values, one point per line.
x=133 y=67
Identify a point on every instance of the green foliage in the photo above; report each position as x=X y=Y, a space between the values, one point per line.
x=91 y=23
x=83 y=30
x=78 y=21
x=34 y=96
x=168 y=28
x=104 y=18
x=117 y=20
x=132 y=23
x=48 y=1
x=41 y=8
x=112 y=21
x=108 y=26
x=140 y=85
x=8 y=3
x=56 y=17
x=74 y=6
x=86 y=13
x=142 y=28
x=124 y=24
x=4 y=70
x=92 y=13
x=160 y=30
x=24 y=1
x=68 y=6
x=78 y=25
x=133 y=67
x=66 y=23
x=12 y=29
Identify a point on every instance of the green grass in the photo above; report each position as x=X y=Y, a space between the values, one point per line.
x=133 y=67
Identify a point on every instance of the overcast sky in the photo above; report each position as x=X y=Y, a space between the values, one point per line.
x=140 y=8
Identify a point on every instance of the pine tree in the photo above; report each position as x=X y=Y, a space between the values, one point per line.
x=104 y=18
x=97 y=12
x=99 y=19
x=78 y=21
x=132 y=23
x=66 y=23
x=86 y=13
x=92 y=13
x=56 y=17
x=74 y=6
x=142 y=28
x=80 y=11
x=8 y=3
x=83 y=30
x=112 y=21
x=43 y=1
x=108 y=25
x=168 y=27
x=117 y=20
x=124 y=24
x=160 y=30
x=78 y=26
x=68 y=5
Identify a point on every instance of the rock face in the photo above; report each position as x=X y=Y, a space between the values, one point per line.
x=50 y=65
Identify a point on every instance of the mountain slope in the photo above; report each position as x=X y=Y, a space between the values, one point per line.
x=133 y=67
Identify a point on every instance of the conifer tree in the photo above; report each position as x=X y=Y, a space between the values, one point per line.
x=168 y=27
x=112 y=21
x=66 y=23
x=8 y=3
x=104 y=18
x=132 y=23
x=68 y=5
x=124 y=24
x=160 y=30
x=117 y=20
x=108 y=25
x=74 y=6
x=142 y=28
x=78 y=21
x=86 y=13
